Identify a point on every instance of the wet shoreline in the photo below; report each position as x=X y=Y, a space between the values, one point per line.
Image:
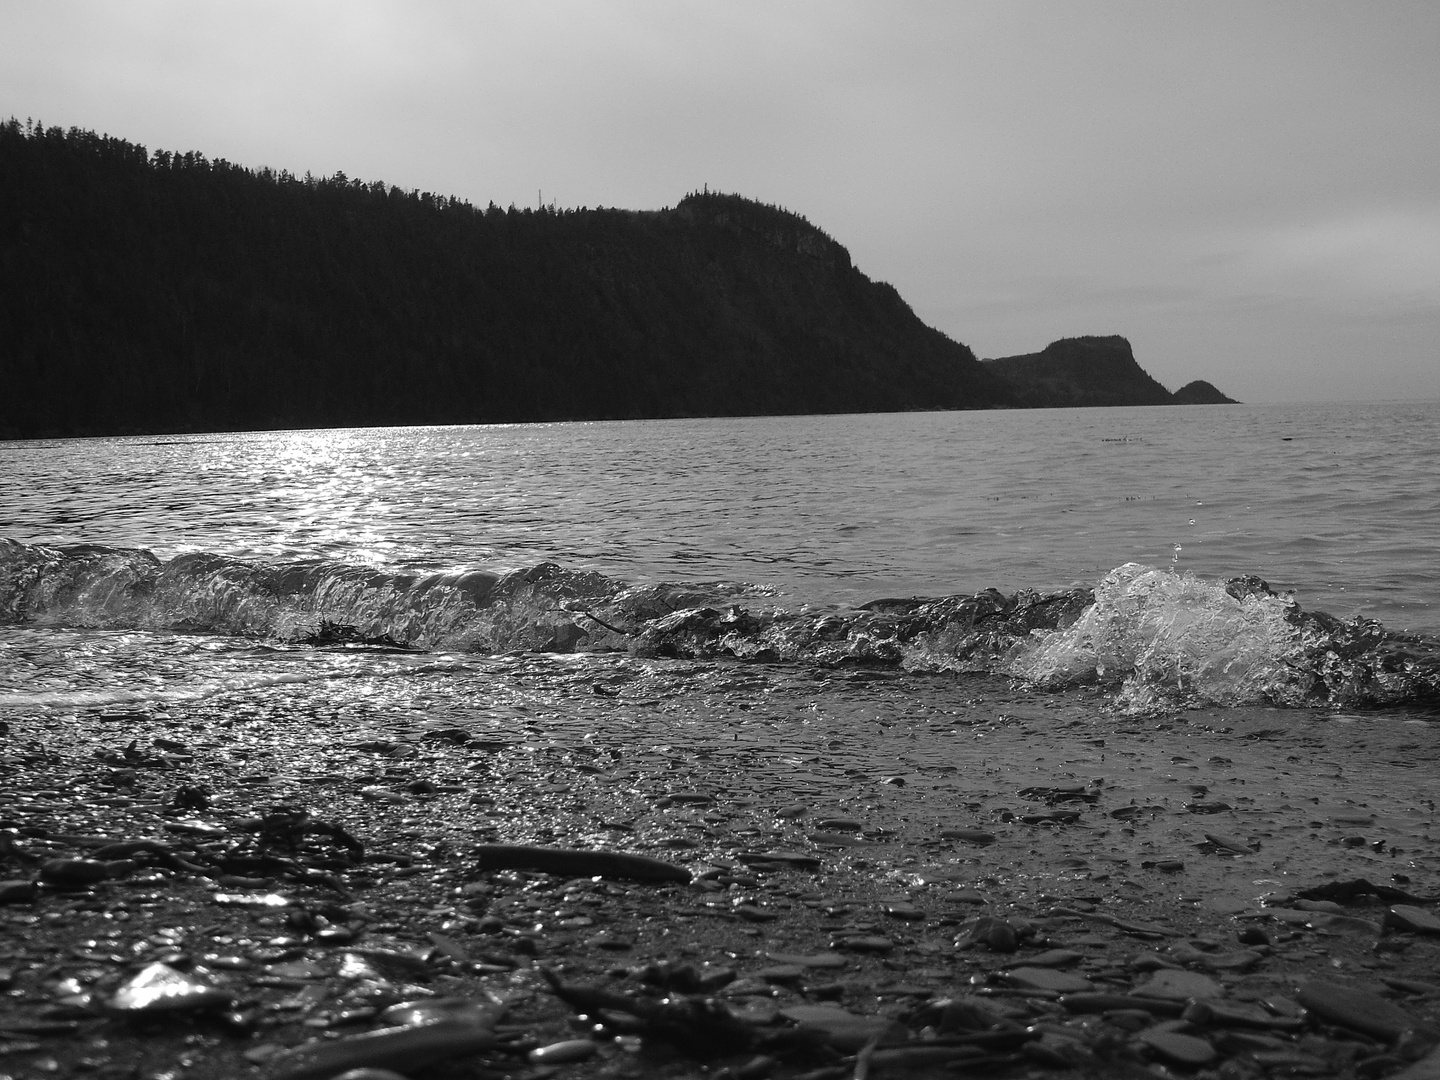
x=928 y=836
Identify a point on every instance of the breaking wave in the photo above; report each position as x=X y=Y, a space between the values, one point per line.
x=1159 y=639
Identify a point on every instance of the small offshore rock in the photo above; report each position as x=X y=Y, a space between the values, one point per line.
x=563 y=1053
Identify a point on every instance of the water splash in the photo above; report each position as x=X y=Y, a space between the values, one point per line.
x=1169 y=639
x=1161 y=639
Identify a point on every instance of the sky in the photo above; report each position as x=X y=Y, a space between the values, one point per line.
x=1248 y=191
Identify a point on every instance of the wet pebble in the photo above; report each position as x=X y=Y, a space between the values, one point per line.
x=1189 y=1051
x=1355 y=1008
x=563 y=1053
x=17 y=892
x=819 y=960
x=79 y=872
x=1179 y=985
x=841 y=1029
x=871 y=943
x=159 y=989
x=1047 y=979
x=969 y=836
x=1412 y=919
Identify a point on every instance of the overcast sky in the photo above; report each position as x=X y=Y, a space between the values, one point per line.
x=1248 y=191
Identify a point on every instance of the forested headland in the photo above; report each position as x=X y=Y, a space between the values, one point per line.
x=160 y=292
x=1088 y=371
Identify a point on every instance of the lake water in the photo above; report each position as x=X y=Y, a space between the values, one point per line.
x=125 y=554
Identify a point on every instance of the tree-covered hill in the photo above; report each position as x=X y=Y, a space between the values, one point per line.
x=166 y=292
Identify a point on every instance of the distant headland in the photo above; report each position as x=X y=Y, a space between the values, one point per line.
x=162 y=292
x=1087 y=371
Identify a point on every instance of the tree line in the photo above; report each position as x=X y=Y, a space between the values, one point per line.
x=168 y=292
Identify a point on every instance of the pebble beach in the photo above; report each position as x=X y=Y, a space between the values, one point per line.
x=864 y=872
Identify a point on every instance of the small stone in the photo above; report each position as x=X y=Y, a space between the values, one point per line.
x=863 y=943
x=1178 y=1049
x=563 y=1053
x=1176 y=985
x=1047 y=979
x=17 y=892
x=782 y=973
x=844 y=1030
x=820 y=960
x=367 y=1073
x=1427 y=1068
x=1054 y=958
x=159 y=989
x=76 y=872
x=789 y=858
x=1412 y=919
x=837 y=839
x=969 y=836
x=996 y=934
x=1351 y=1007
x=375 y=793
x=255 y=900
x=898 y=909
x=751 y=913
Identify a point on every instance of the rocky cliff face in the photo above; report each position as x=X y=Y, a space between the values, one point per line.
x=1089 y=371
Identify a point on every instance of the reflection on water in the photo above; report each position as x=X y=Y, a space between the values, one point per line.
x=1335 y=501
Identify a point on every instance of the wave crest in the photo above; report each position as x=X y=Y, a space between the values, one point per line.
x=1162 y=640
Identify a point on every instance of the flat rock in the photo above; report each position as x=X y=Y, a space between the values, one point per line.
x=1039 y=978
x=864 y=943
x=844 y=1030
x=837 y=839
x=1412 y=919
x=1427 y=1068
x=969 y=836
x=782 y=973
x=1352 y=1007
x=819 y=960
x=1054 y=958
x=159 y=989
x=1187 y=1050
x=1175 y=985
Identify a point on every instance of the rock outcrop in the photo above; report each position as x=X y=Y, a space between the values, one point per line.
x=1088 y=371
x=1201 y=392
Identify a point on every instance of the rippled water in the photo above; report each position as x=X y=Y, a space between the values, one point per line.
x=251 y=538
x=1337 y=502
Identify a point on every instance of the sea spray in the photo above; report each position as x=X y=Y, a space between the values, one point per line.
x=1160 y=638
x=1169 y=639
